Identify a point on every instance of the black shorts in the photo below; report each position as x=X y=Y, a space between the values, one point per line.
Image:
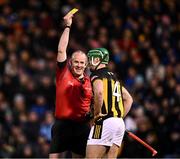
x=69 y=135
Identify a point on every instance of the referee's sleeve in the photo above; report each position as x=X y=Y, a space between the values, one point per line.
x=61 y=64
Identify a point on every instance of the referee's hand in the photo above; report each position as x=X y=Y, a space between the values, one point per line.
x=68 y=17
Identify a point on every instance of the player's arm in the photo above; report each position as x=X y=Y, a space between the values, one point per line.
x=64 y=39
x=128 y=100
x=98 y=97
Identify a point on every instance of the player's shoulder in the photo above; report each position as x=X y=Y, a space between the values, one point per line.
x=96 y=73
x=99 y=74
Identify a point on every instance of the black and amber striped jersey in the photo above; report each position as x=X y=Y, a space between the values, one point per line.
x=112 y=92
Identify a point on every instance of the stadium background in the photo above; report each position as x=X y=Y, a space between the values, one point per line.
x=143 y=38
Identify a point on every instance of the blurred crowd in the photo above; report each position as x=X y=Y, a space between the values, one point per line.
x=143 y=37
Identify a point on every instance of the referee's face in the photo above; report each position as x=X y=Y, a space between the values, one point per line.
x=78 y=64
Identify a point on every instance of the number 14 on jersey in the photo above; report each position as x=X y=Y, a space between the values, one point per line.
x=116 y=90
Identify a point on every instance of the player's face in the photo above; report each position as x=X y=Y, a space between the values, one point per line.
x=93 y=63
x=78 y=64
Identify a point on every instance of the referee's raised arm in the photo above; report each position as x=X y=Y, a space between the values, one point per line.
x=64 y=39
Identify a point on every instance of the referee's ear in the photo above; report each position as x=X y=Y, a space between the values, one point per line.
x=70 y=62
x=86 y=64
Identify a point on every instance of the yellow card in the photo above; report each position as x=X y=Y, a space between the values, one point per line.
x=73 y=11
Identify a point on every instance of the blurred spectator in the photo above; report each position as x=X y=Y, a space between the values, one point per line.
x=45 y=128
x=31 y=127
x=40 y=107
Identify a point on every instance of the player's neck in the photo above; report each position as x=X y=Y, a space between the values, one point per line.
x=101 y=66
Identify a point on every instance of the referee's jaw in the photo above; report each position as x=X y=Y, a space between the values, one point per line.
x=78 y=71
